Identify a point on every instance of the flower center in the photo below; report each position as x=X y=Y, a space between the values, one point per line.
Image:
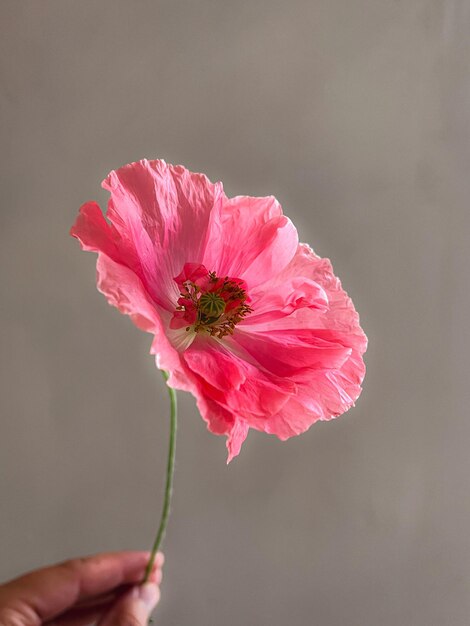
x=209 y=304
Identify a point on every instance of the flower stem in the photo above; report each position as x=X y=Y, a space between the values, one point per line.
x=170 y=468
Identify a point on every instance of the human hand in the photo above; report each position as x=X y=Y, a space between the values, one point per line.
x=103 y=588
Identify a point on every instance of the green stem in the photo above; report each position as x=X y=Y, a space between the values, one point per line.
x=170 y=468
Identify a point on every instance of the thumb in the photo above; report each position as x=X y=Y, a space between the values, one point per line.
x=134 y=608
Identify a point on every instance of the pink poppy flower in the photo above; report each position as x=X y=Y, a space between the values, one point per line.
x=252 y=323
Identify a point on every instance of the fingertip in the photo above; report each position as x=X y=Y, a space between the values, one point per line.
x=156 y=575
x=149 y=594
x=134 y=607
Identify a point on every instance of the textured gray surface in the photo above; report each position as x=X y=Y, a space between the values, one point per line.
x=356 y=116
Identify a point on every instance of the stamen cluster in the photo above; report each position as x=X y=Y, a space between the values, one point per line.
x=208 y=303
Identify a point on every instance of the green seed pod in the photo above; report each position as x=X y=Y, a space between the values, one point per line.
x=211 y=305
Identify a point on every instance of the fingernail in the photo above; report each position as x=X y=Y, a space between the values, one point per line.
x=149 y=593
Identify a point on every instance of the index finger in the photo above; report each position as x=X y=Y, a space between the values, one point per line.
x=50 y=591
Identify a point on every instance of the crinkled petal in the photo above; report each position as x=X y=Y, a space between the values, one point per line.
x=289 y=355
x=220 y=421
x=324 y=396
x=339 y=316
x=323 y=346
x=216 y=366
x=294 y=289
x=124 y=290
x=272 y=301
x=163 y=211
x=94 y=232
x=249 y=393
x=249 y=238
x=236 y=438
x=232 y=393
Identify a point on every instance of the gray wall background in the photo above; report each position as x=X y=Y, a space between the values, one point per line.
x=355 y=114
